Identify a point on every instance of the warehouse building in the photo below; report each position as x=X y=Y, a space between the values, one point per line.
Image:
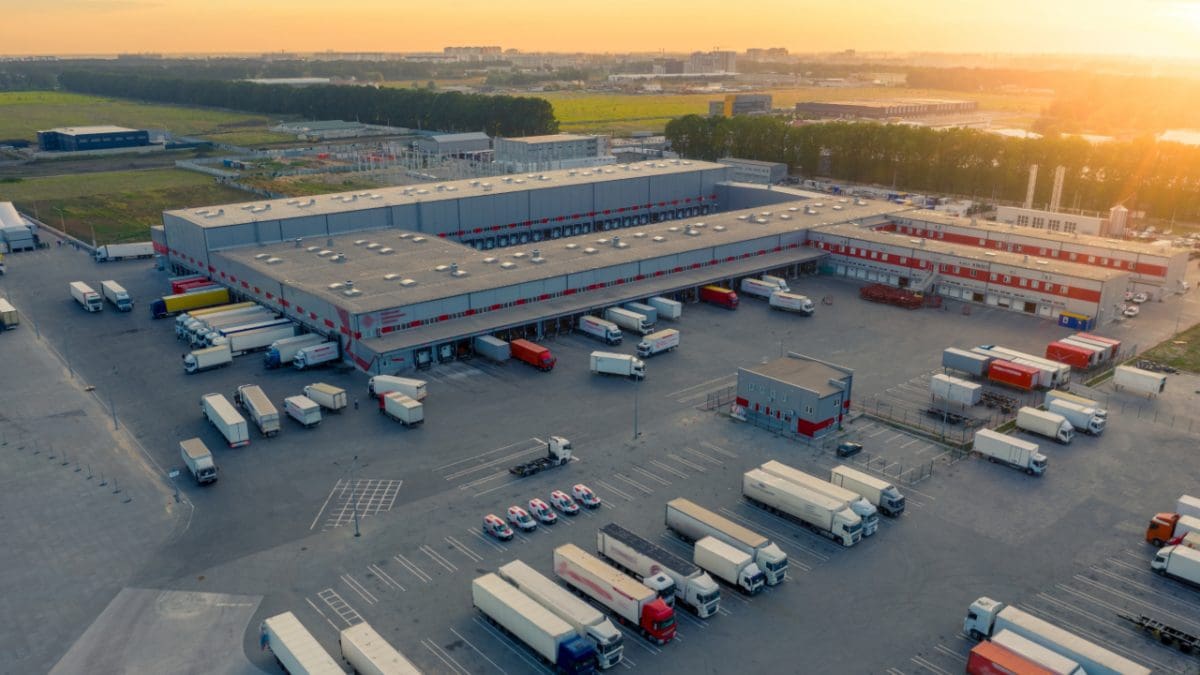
x=740 y=104
x=552 y=151
x=76 y=139
x=796 y=394
x=471 y=143
x=883 y=109
x=754 y=171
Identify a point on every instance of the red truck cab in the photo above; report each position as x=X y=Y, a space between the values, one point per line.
x=722 y=297
x=534 y=354
x=658 y=621
x=1164 y=527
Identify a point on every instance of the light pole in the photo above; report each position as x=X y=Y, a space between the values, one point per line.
x=354 y=494
x=636 y=433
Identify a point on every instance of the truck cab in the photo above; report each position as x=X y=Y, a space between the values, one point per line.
x=779 y=282
x=1165 y=526
x=981 y=616
x=663 y=585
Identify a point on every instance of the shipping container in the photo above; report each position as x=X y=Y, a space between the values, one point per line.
x=1139 y=381
x=1014 y=374
x=954 y=390
x=975 y=365
x=722 y=297
x=1073 y=356
x=671 y=310
x=492 y=348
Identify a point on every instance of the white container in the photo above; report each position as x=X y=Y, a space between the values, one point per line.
x=857 y=503
x=1048 y=424
x=304 y=410
x=823 y=514
x=1188 y=505
x=255 y=402
x=9 y=318
x=199 y=460
x=86 y=297
x=524 y=618
x=1014 y=452
x=791 y=302
x=401 y=408
x=327 y=396
x=1180 y=562
x=609 y=363
x=296 y=648
x=311 y=357
x=881 y=493
x=693 y=522
x=1060 y=395
x=369 y=654
x=112 y=252
x=667 y=309
x=955 y=390
x=600 y=329
x=758 y=288
x=1082 y=418
x=218 y=410
x=970 y=362
x=207 y=359
x=647 y=311
x=631 y=321
x=248 y=341
x=211 y=337
x=1139 y=381
x=658 y=342
x=729 y=564
x=492 y=348
x=117 y=295
x=382 y=384
x=281 y=352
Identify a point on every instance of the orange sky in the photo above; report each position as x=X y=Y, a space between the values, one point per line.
x=1143 y=27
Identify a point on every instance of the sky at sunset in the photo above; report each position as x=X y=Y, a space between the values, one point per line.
x=1168 y=28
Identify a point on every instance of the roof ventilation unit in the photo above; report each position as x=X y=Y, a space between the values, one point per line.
x=508 y=265
x=589 y=250
x=339 y=258
x=489 y=260
x=639 y=235
x=418 y=240
x=744 y=218
x=386 y=250
x=441 y=268
x=335 y=286
x=360 y=242
x=672 y=229
x=537 y=257
x=351 y=292
x=572 y=247
x=329 y=242
x=298 y=241
x=785 y=216
x=441 y=188
x=659 y=239
x=408 y=282
x=262 y=256
x=455 y=272
x=404 y=235
x=391 y=276
x=692 y=232
x=519 y=254
x=324 y=253
x=422 y=192
x=616 y=241
x=373 y=246
x=793 y=209
x=718 y=228
x=274 y=261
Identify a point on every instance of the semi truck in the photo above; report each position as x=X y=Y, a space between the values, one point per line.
x=1014 y=374
x=207 y=359
x=383 y=384
x=758 y=288
x=1008 y=653
x=721 y=297
x=533 y=354
x=633 y=603
x=1072 y=355
x=1044 y=423
x=658 y=342
x=304 y=410
x=692 y=522
x=199 y=460
x=975 y=365
x=1139 y=381
x=244 y=342
x=111 y=252
x=316 y=355
x=295 y=648
x=188 y=325
x=733 y=566
x=1179 y=562
x=1164 y=527
x=881 y=493
x=648 y=311
x=174 y=304
x=407 y=411
x=87 y=298
x=213 y=337
x=1058 y=374
x=600 y=329
x=667 y=309
x=644 y=560
x=9 y=317
x=857 y=503
x=187 y=318
x=369 y=654
x=986 y=617
x=281 y=352
x=558 y=453
x=817 y=511
x=954 y=390
x=196 y=331
x=225 y=418
x=252 y=399
x=1014 y=452
x=1060 y=395
x=589 y=623
x=117 y=295
x=631 y=321
x=779 y=282
x=519 y=615
x=327 y=396
x=1082 y=418
x=791 y=302
x=492 y=348
x=611 y=363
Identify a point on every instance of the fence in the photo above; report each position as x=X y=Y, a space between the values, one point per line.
x=920 y=422
x=888 y=468
x=720 y=398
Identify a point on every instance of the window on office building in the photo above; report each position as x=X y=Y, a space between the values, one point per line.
x=1069 y=227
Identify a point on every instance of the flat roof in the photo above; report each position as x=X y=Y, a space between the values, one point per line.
x=548 y=138
x=97 y=129
x=464 y=136
x=345 y=202
x=734 y=161
x=1020 y=260
x=416 y=256
x=804 y=373
x=888 y=102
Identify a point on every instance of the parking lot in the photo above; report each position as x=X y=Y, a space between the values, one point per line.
x=280 y=522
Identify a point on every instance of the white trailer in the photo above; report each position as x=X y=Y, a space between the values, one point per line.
x=779 y=282
x=648 y=311
x=221 y=413
x=382 y=384
x=87 y=298
x=252 y=399
x=955 y=390
x=492 y=348
x=199 y=460
x=315 y=355
x=611 y=363
x=631 y=321
x=198 y=329
x=1179 y=562
x=1082 y=418
x=186 y=319
x=1048 y=424
x=207 y=359
x=667 y=309
x=969 y=362
x=758 y=288
x=1060 y=395
x=733 y=566
x=589 y=623
x=1014 y=452
x=1188 y=505
x=693 y=522
x=823 y=514
x=657 y=342
x=600 y=329
x=791 y=302
x=213 y=337
x=9 y=318
x=117 y=295
x=881 y=493
x=110 y=252
x=369 y=654
x=536 y=627
x=636 y=605
x=1031 y=651
x=407 y=411
x=645 y=560
x=1139 y=381
x=253 y=340
x=986 y=617
x=1059 y=374
x=327 y=396
x=295 y=648
x=281 y=352
x=857 y=503
x=304 y=410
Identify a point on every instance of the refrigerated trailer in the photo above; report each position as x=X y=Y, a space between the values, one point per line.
x=1139 y=381
x=295 y=648
x=1014 y=452
x=221 y=413
x=821 y=513
x=636 y=604
x=881 y=493
x=369 y=654
x=536 y=627
x=857 y=503
x=693 y=522
x=644 y=559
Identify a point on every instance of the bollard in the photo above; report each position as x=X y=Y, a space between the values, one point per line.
x=103 y=482
x=66 y=460
x=89 y=476
x=116 y=487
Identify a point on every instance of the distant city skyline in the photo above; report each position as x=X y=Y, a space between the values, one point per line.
x=1145 y=28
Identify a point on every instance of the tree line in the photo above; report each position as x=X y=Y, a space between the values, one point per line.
x=412 y=108
x=1161 y=178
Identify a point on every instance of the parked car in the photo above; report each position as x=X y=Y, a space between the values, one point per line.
x=848 y=448
x=1128 y=296
x=563 y=502
x=1131 y=310
x=1140 y=298
x=492 y=525
x=585 y=495
x=521 y=518
x=542 y=511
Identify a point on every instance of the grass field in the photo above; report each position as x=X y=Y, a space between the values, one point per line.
x=120 y=205
x=1181 y=351
x=24 y=113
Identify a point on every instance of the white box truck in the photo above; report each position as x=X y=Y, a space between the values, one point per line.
x=221 y=413
x=1082 y=418
x=199 y=460
x=1179 y=562
x=986 y=617
x=779 y=282
x=248 y=341
x=492 y=348
x=1014 y=452
x=881 y=493
x=369 y=654
x=316 y=355
x=252 y=399
x=758 y=288
x=611 y=363
x=1139 y=381
x=87 y=298
x=281 y=352
x=1188 y=505
x=589 y=623
x=631 y=321
x=536 y=627
x=634 y=603
x=213 y=337
x=857 y=503
x=657 y=342
x=600 y=329
x=382 y=384
x=646 y=560
x=207 y=359
x=304 y=410
x=1048 y=424
x=667 y=308
x=327 y=396
x=791 y=302
x=117 y=295
x=186 y=319
x=954 y=390
x=731 y=565
x=110 y=252
x=407 y=411
x=648 y=311
x=820 y=513
x=692 y=522
x=1060 y=395
x=295 y=648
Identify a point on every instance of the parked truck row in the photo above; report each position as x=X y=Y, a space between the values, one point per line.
x=299 y=653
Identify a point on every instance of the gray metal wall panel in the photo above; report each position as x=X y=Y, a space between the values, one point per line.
x=750 y=246
x=565 y=200
x=691 y=257
x=484 y=211
x=659 y=264
x=305 y=227
x=358 y=220
x=439 y=216
x=269 y=232
x=581 y=279
x=230 y=235
x=505 y=294
x=617 y=194
x=404 y=217
x=614 y=272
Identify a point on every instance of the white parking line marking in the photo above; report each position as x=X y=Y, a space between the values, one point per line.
x=719 y=450
x=702 y=384
x=472 y=646
x=951 y=653
x=437 y=558
x=882 y=430
x=704 y=456
x=687 y=462
x=444 y=657
x=483 y=454
x=318 y=611
x=489 y=464
x=614 y=490
x=385 y=577
x=929 y=666
x=508 y=643
x=780 y=537
x=634 y=483
x=463 y=548
x=1089 y=634
x=488 y=541
x=915 y=440
x=670 y=469
x=345 y=612
x=357 y=587
x=411 y=567
x=647 y=474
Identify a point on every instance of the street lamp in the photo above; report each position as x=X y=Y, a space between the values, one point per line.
x=636 y=433
x=354 y=494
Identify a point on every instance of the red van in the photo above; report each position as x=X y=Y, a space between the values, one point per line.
x=534 y=354
x=722 y=297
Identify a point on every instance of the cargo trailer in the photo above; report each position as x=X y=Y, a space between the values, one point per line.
x=492 y=348
x=407 y=411
x=199 y=460
x=600 y=329
x=1045 y=423
x=1014 y=374
x=1139 y=381
x=207 y=359
x=1076 y=357
x=281 y=352
x=519 y=615
x=9 y=317
x=1060 y=395
x=634 y=603
x=1113 y=346
x=1178 y=562
x=316 y=355
x=645 y=310
x=369 y=654
x=692 y=522
x=1083 y=419
x=221 y=413
x=383 y=384
x=954 y=390
x=244 y=342
x=879 y=492
x=791 y=302
x=863 y=508
x=327 y=396
x=173 y=304
x=646 y=560
x=1043 y=657
x=111 y=252
x=758 y=288
x=295 y=648
x=657 y=342
x=630 y=321
x=533 y=354
x=88 y=299
x=667 y=309
x=971 y=363
x=117 y=295
x=252 y=399
x=304 y=410
x=610 y=363
x=721 y=297
x=1014 y=452
x=822 y=514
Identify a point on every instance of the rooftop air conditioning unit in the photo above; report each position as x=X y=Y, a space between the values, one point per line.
x=408 y=282
x=360 y=242
x=589 y=250
x=274 y=261
x=391 y=276
x=374 y=246
x=572 y=247
x=508 y=265
x=262 y=256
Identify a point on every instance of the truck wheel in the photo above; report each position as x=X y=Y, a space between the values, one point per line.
x=976 y=635
x=1029 y=471
x=1157 y=542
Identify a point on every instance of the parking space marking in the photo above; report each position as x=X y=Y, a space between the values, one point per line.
x=498 y=460
x=493 y=489
x=1092 y=635
x=519 y=649
x=488 y=541
x=719 y=450
x=1158 y=592
x=704 y=456
x=658 y=479
x=364 y=497
x=914 y=440
x=929 y=666
x=437 y=558
x=670 y=469
x=951 y=653
x=472 y=646
x=340 y=607
x=411 y=567
x=1157 y=607
x=385 y=577
x=882 y=430
x=637 y=639
x=486 y=479
x=687 y=463
x=706 y=383
x=318 y=611
x=444 y=657
x=634 y=483
x=481 y=455
x=693 y=620
x=356 y=586
x=614 y=490
x=463 y=548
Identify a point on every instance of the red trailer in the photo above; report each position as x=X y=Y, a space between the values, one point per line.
x=1073 y=356
x=534 y=354
x=1114 y=346
x=178 y=287
x=722 y=297
x=181 y=282
x=1013 y=374
x=989 y=658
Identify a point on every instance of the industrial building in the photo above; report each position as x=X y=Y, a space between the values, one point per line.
x=552 y=151
x=883 y=109
x=711 y=62
x=1055 y=221
x=740 y=104
x=796 y=394
x=76 y=139
x=754 y=171
x=470 y=143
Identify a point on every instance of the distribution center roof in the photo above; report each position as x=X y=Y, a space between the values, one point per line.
x=804 y=373
x=98 y=129
x=549 y=138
